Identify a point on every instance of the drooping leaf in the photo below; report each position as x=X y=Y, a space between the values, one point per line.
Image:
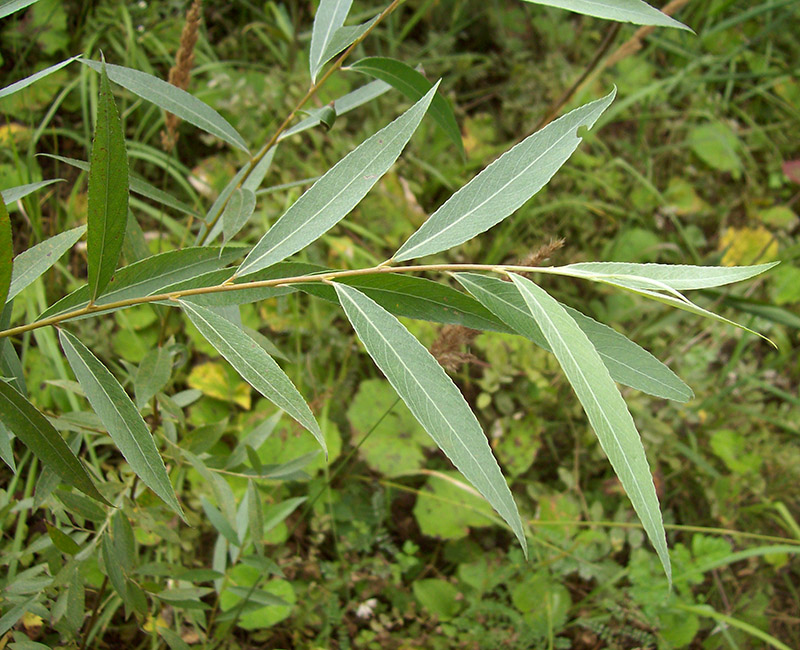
x=627 y=363
x=603 y=405
x=334 y=195
x=253 y=363
x=237 y=213
x=30 y=264
x=149 y=276
x=504 y=185
x=120 y=418
x=173 y=100
x=626 y=11
x=8 y=7
x=330 y=16
x=14 y=194
x=38 y=435
x=135 y=184
x=108 y=193
x=344 y=104
x=676 y=276
x=413 y=85
x=433 y=399
x=6 y=254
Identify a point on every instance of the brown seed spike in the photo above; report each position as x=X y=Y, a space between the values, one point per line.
x=446 y=349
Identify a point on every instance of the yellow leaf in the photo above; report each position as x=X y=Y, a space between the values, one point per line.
x=744 y=246
x=220 y=382
x=31 y=621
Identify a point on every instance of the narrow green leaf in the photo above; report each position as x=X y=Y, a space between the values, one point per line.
x=218 y=520
x=258 y=596
x=237 y=213
x=676 y=276
x=256 y=517
x=108 y=193
x=76 y=601
x=504 y=185
x=433 y=399
x=12 y=616
x=6 y=449
x=24 y=83
x=149 y=276
x=627 y=363
x=626 y=11
x=38 y=435
x=14 y=194
x=173 y=100
x=254 y=365
x=344 y=104
x=32 y=263
x=113 y=568
x=604 y=407
x=278 y=512
x=334 y=195
x=413 y=85
x=135 y=184
x=343 y=38
x=120 y=418
x=8 y=7
x=152 y=375
x=330 y=16
x=6 y=255
x=62 y=541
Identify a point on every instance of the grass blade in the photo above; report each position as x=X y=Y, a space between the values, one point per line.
x=604 y=406
x=120 y=418
x=173 y=100
x=413 y=85
x=14 y=194
x=504 y=185
x=108 y=193
x=253 y=363
x=38 y=435
x=24 y=83
x=627 y=363
x=6 y=255
x=433 y=399
x=625 y=11
x=334 y=195
x=330 y=16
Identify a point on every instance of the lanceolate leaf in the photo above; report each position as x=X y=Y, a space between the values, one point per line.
x=343 y=38
x=108 y=193
x=627 y=11
x=13 y=194
x=6 y=450
x=24 y=83
x=627 y=363
x=173 y=100
x=120 y=418
x=504 y=185
x=335 y=194
x=331 y=15
x=413 y=85
x=433 y=399
x=38 y=435
x=676 y=276
x=149 y=276
x=8 y=7
x=6 y=254
x=253 y=363
x=30 y=264
x=237 y=213
x=604 y=407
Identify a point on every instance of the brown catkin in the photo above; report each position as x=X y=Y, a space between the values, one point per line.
x=181 y=72
x=446 y=349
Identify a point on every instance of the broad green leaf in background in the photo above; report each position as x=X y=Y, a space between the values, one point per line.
x=14 y=194
x=24 y=83
x=413 y=85
x=504 y=185
x=30 y=264
x=627 y=363
x=38 y=435
x=334 y=195
x=149 y=276
x=603 y=405
x=626 y=11
x=237 y=213
x=330 y=16
x=433 y=399
x=108 y=193
x=120 y=418
x=173 y=100
x=676 y=276
x=8 y=7
x=253 y=363
x=6 y=254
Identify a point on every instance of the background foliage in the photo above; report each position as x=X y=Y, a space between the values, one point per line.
x=382 y=546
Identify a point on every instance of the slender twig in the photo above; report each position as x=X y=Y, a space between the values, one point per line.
x=312 y=91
